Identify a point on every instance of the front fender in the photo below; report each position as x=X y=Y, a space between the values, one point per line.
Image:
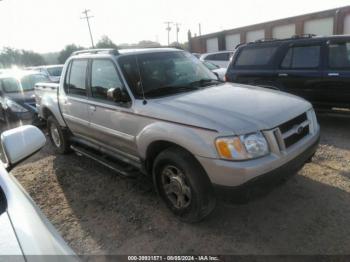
x=199 y=142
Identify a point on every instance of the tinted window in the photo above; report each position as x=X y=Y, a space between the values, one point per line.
x=339 y=55
x=55 y=71
x=77 y=78
x=218 y=57
x=103 y=77
x=251 y=56
x=302 y=57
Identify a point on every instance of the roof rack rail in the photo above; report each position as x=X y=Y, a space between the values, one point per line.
x=111 y=51
x=265 y=40
x=303 y=36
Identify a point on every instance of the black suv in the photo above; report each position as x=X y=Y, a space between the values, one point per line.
x=315 y=68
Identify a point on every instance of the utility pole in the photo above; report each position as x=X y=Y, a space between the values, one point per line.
x=87 y=17
x=177 y=32
x=200 y=29
x=168 y=28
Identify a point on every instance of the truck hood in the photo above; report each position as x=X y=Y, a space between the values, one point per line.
x=236 y=108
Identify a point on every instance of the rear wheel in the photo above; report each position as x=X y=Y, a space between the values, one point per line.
x=183 y=185
x=58 y=136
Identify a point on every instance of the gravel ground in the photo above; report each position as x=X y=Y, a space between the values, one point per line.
x=99 y=212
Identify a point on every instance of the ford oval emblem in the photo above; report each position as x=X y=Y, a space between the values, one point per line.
x=299 y=130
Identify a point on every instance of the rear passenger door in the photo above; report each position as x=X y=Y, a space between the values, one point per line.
x=337 y=72
x=110 y=122
x=300 y=71
x=74 y=105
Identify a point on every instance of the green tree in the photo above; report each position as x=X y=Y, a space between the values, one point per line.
x=11 y=56
x=67 y=51
x=30 y=58
x=106 y=42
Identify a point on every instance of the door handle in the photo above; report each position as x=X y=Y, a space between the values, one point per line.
x=92 y=108
x=333 y=74
x=282 y=74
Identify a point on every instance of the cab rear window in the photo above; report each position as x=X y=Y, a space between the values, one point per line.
x=256 y=56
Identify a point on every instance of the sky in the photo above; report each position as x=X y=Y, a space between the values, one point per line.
x=48 y=25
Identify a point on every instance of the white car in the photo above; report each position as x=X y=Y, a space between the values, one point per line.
x=24 y=230
x=220 y=58
x=217 y=70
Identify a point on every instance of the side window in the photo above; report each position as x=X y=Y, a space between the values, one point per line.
x=256 y=56
x=77 y=78
x=339 y=55
x=302 y=57
x=103 y=77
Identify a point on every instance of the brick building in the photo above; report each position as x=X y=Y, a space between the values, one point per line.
x=329 y=22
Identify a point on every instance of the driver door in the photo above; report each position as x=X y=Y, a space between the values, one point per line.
x=112 y=124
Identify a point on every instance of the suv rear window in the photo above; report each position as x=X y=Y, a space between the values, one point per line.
x=302 y=57
x=256 y=56
x=339 y=55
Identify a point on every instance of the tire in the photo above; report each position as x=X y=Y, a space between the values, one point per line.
x=58 y=136
x=183 y=185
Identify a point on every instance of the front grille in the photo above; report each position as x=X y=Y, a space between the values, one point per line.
x=290 y=124
x=294 y=130
x=296 y=137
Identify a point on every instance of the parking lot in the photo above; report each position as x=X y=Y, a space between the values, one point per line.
x=99 y=212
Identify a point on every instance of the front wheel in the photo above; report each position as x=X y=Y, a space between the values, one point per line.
x=59 y=137
x=183 y=185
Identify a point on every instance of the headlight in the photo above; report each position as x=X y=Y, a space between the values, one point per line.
x=242 y=147
x=15 y=107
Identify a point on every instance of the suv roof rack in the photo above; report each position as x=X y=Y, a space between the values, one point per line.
x=111 y=51
x=303 y=36
x=265 y=40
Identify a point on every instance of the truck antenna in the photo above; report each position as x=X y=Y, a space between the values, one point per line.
x=141 y=84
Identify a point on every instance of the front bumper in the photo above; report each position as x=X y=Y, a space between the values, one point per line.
x=236 y=173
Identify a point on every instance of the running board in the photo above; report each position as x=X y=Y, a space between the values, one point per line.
x=123 y=169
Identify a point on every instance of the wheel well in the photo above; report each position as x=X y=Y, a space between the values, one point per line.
x=46 y=113
x=153 y=151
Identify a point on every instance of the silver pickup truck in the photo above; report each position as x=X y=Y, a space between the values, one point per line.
x=162 y=113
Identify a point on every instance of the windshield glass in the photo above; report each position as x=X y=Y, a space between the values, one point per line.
x=10 y=85
x=164 y=73
x=55 y=71
x=210 y=66
x=28 y=82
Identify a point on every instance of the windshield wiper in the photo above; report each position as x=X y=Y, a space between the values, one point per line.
x=204 y=82
x=165 y=90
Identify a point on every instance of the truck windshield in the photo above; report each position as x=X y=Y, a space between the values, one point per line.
x=165 y=73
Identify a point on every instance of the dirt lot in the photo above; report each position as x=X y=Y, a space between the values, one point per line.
x=98 y=212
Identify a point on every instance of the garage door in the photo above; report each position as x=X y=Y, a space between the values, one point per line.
x=232 y=41
x=255 y=35
x=347 y=25
x=283 y=31
x=212 y=45
x=322 y=26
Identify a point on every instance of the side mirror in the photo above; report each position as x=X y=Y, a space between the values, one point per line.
x=20 y=143
x=116 y=95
